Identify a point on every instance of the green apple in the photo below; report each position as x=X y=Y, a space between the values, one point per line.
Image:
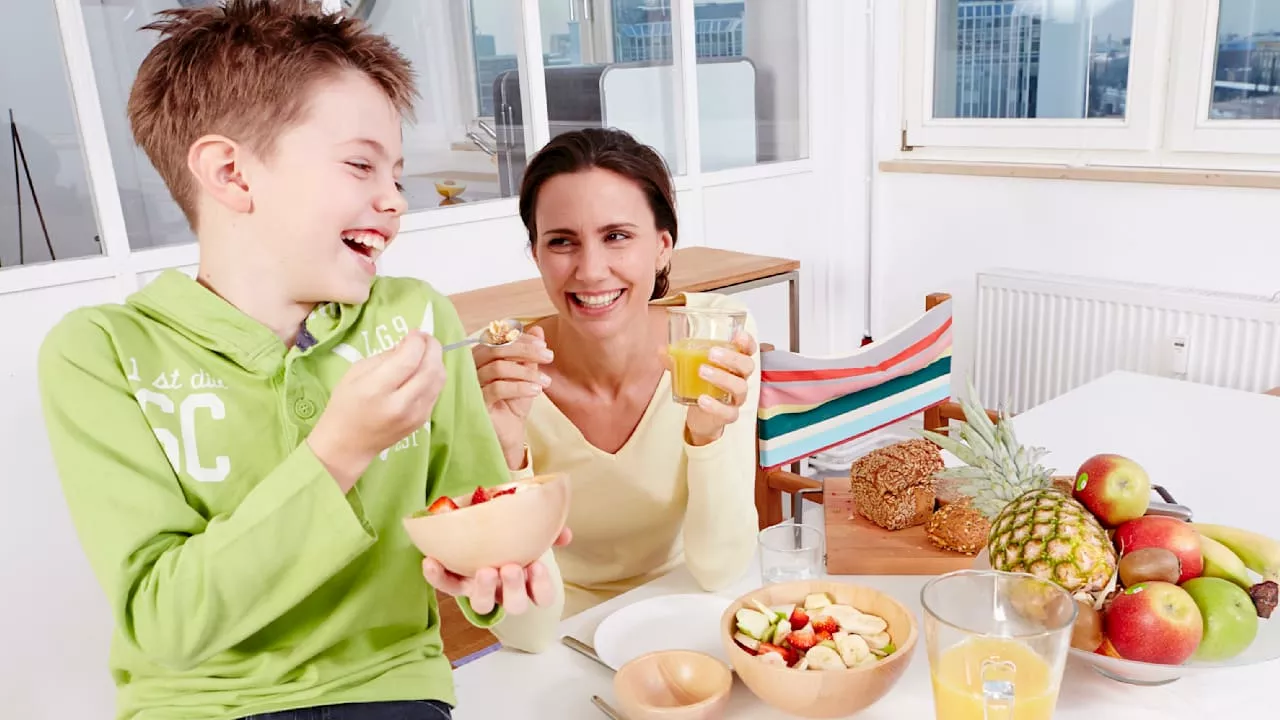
x=1230 y=618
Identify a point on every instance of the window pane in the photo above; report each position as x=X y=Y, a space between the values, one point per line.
x=750 y=62
x=117 y=46
x=1032 y=58
x=619 y=74
x=494 y=137
x=1246 y=72
x=463 y=61
x=751 y=59
x=46 y=211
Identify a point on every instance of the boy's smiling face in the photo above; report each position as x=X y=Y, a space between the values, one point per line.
x=326 y=201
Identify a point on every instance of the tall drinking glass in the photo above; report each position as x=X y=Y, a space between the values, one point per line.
x=692 y=333
x=998 y=643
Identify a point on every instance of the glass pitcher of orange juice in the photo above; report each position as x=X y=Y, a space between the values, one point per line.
x=691 y=334
x=997 y=642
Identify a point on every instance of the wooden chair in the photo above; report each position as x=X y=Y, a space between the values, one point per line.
x=810 y=404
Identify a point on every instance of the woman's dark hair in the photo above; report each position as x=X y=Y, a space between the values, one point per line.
x=612 y=150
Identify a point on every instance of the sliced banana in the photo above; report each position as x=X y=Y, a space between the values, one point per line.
x=773 y=658
x=865 y=625
x=878 y=641
x=853 y=648
x=821 y=657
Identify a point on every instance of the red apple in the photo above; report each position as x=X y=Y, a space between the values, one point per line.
x=1114 y=488
x=1154 y=622
x=1158 y=531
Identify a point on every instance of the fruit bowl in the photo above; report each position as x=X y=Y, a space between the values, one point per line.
x=515 y=523
x=1264 y=648
x=827 y=690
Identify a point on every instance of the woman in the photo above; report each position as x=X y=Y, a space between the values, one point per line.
x=587 y=390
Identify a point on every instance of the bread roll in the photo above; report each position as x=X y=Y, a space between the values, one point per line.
x=893 y=486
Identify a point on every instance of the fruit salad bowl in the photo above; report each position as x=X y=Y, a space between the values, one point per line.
x=1265 y=646
x=819 y=648
x=491 y=527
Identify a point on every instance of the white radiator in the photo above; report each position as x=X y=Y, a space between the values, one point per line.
x=1039 y=335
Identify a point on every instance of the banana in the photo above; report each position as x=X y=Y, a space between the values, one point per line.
x=1259 y=553
x=1220 y=562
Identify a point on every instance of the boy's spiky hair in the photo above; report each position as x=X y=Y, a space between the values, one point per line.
x=243 y=69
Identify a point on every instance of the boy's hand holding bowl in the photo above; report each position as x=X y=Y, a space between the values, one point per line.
x=486 y=546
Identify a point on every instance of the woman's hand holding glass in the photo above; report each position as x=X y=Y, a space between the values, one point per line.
x=728 y=369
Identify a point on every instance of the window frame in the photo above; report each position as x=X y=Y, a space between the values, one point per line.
x=128 y=265
x=1190 y=129
x=1138 y=131
x=1178 y=99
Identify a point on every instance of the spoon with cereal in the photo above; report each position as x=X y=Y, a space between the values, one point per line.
x=497 y=334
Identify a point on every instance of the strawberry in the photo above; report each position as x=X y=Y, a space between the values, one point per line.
x=771 y=648
x=826 y=624
x=792 y=656
x=480 y=495
x=442 y=505
x=802 y=639
x=822 y=636
x=509 y=491
x=799 y=618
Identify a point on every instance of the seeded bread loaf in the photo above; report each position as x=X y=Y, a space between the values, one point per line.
x=893 y=486
x=959 y=527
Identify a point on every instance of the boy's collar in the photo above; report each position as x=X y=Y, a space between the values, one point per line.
x=184 y=305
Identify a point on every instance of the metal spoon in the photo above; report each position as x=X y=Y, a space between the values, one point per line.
x=481 y=337
x=606 y=708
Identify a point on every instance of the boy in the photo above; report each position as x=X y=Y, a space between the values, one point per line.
x=237 y=451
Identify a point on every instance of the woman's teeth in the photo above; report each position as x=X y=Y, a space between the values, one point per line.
x=597 y=300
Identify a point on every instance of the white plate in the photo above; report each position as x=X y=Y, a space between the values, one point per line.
x=667 y=622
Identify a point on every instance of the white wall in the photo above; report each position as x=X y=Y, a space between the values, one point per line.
x=935 y=232
x=53 y=618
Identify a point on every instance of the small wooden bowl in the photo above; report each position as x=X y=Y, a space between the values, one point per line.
x=673 y=685
x=823 y=693
x=517 y=528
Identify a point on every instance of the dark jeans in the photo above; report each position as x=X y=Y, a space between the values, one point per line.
x=405 y=710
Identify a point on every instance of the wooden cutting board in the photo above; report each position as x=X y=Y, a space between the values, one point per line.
x=857 y=546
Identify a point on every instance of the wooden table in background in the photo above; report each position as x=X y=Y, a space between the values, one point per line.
x=695 y=269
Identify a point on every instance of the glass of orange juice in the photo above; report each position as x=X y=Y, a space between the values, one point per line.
x=692 y=333
x=997 y=642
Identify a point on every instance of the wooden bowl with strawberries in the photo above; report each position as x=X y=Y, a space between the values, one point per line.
x=819 y=648
x=514 y=523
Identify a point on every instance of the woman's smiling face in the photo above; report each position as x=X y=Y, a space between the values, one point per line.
x=598 y=249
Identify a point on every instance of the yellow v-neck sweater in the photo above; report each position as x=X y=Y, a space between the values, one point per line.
x=657 y=501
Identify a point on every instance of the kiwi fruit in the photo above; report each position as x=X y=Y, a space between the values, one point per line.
x=1149 y=564
x=1086 y=634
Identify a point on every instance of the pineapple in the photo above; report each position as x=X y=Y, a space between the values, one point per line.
x=1036 y=528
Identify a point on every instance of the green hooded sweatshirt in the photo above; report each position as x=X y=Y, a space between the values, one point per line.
x=240 y=577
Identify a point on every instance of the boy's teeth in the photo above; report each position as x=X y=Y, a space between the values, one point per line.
x=368 y=239
x=597 y=300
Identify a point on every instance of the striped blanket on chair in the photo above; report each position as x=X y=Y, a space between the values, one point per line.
x=809 y=404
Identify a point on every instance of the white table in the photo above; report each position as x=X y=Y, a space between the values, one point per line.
x=1214 y=449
